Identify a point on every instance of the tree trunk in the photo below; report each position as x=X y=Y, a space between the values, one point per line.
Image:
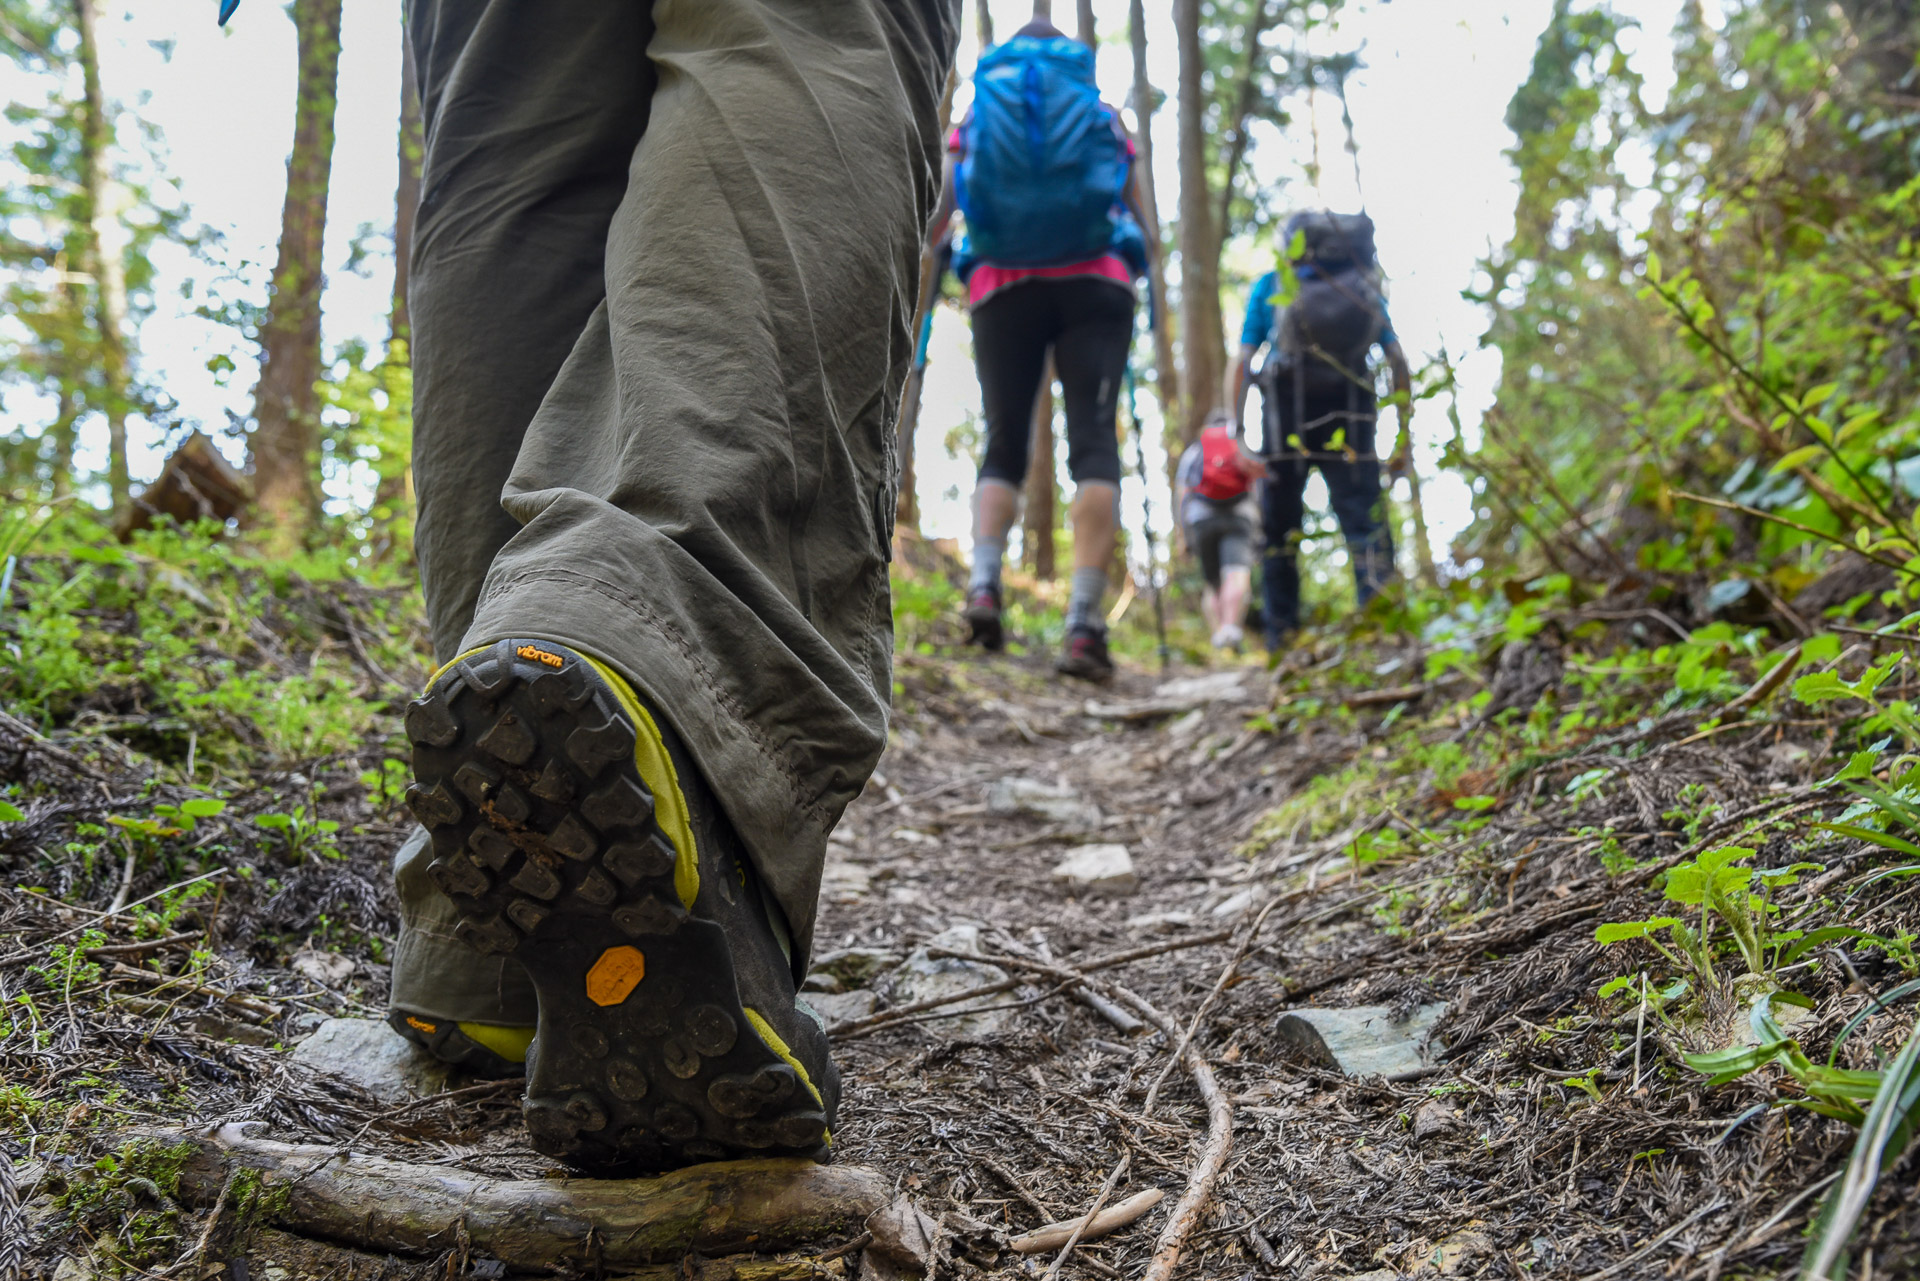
x=394 y=494
x=983 y=20
x=1257 y=24
x=286 y=437
x=406 y=196
x=1083 y=13
x=107 y=242
x=1203 y=334
x=1166 y=377
x=1042 y=514
x=906 y=512
x=1422 y=543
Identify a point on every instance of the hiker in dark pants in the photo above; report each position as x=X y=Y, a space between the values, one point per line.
x=663 y=280
x=1053 y=246
x=1319 y=406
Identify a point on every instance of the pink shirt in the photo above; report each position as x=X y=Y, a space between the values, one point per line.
x=989 y=279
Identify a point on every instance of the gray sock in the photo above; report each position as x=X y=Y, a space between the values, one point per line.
x=987 y=555
x=1083 y=605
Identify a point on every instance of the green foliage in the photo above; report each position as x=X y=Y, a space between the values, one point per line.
x=1722 y=321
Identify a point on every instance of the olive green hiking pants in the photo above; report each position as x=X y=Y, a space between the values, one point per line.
x=663 y=275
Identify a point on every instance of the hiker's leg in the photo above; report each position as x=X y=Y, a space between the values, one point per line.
x=1011 y=333
x=1090 y=357
x=1236 y=574
x=706 y=493
x=1359 y=505
x=1282 y=514
x=508 y=263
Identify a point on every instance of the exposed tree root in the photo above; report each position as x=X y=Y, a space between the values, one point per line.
x=765 y=1206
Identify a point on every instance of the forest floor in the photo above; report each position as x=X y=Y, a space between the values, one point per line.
x=1361 y=828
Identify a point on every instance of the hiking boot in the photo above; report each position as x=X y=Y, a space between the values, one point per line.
x=1085 y=655
x=478 y=1049
x=572 y=831
x=1229 y=637
x=983 y=619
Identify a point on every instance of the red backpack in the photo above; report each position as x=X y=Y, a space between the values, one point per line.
x=1221 y=477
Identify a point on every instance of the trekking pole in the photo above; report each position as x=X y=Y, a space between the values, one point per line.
x=1146 y=522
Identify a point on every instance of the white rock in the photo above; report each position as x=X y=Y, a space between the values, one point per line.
x=922 y=977
x=74 y=1268
x=1098 y=869
x=1362 y=1041
x=1201 y=690
x=842 y=1007
x=1160 y=922
x=1235 y=903
x=328 y=969
x=374 y=1057
x=1041 y=800
x=845 y=882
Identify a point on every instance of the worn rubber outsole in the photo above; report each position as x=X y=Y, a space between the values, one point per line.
x=443 y=1039
x=546 y=838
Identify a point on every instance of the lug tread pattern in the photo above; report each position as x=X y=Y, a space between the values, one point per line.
x=545 y=839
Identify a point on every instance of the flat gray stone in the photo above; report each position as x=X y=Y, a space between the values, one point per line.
x=1098 y=869
x=1035 y=799
x=1362 y=1041
x=841 y=1007
x=374 y=1057
x=922 y=977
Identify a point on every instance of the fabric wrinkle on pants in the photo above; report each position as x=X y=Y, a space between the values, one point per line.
x=665 y=268
x=1353 y=490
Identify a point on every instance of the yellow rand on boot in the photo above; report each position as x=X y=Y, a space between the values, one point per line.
x=774 y=1042
x=510 y=1043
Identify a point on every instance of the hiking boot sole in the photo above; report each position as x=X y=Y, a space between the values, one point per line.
x=555 y=851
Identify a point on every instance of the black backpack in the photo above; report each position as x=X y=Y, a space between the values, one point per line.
x=1325 y=336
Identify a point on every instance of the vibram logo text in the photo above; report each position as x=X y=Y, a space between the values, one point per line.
x=539 y=655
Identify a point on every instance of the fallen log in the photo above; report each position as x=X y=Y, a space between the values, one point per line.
x=535 y=1224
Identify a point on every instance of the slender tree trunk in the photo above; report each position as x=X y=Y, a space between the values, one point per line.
x=107 y=242
x=406 y=196
x=1203 y=333
x=1042 y=513
x=1083 y=13
x=1245 y=100
x=286 y=437
x=1043 y=9
x=983 y=24
x=1422 y=543
x=906 y=512
x=394 y=494
x=1166 y=377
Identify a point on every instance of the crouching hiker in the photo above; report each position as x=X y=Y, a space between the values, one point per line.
x=1320 y=410
x=1042 y=170
x=1213 y=491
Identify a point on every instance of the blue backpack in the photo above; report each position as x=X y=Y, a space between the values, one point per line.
x=1042 y=162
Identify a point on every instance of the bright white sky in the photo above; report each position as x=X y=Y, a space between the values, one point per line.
x=1428 y=109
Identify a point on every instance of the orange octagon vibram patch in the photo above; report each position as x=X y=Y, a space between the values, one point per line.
x=615 y=975
x=539 y=655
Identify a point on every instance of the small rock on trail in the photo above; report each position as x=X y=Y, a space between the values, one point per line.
x=374 y=1057
x=1098 y=869
x=1363 y=1041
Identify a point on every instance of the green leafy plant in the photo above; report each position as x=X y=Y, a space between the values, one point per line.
x=1885 y=1133
x=305 y=835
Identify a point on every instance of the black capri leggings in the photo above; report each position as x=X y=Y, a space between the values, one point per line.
x=1089 y=324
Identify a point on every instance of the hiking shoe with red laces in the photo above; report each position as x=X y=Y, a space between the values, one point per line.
x=1085 y=655
x=573 y=832
x=983 y=619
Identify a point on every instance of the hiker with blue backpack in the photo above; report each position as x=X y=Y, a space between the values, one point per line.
x=1041 y=169
x=1319 y=317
